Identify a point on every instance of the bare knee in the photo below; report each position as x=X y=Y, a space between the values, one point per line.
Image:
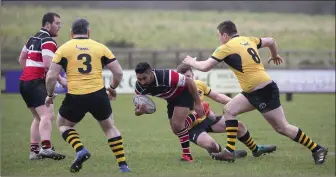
x=229 y=112
x=211 y=147
x=47 y=117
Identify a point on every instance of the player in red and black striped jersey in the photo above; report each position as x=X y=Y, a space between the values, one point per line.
x=35 y=59
x=180 y=93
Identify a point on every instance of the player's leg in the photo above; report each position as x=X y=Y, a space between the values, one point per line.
x=102 y=112
x=278 y=121
x=273 y=112
x=34 y=93
x=237 y=105
x=243 y=136
x=178 y=119
x=72 y=111
x=34 y=136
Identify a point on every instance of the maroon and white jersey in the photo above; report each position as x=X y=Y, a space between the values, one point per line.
x=41 y=44
x=167 y=84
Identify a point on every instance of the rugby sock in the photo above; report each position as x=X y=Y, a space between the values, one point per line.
x=116 y=145
x=34 y=147
x=231 y=132
x=72 y=137
x=45 y=144
x=303 y=139
x=248 y=141
x=183 y=135
x=189 y=121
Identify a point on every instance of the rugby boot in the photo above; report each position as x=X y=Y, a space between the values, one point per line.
x=186 y=158
x=81 y=157
x=124 y=168
x=225 y=155
x=320 y=155
x=264 y=149
x=51 y=154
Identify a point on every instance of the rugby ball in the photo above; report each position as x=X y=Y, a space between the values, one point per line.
x=143 y=99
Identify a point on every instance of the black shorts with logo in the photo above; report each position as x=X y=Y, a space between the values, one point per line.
x=33 y=92
x=185 y=99
x=265 y=99
x=204 y=126
x=74 y=107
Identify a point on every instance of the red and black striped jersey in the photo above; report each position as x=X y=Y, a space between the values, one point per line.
x=41 y=44
x=167 y=84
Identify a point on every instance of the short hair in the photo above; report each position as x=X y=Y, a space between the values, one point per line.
x=142 y=67
x=227 y=27
x=183 y=68
x=49 y=18
x=80 y=26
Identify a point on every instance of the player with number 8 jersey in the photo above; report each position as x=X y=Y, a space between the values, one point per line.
x=240 y=53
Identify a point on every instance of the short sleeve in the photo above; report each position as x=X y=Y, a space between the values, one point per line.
x=108 y=56
x=204 y=87
x=58 y=56
x=256 y=40
x=220 y=53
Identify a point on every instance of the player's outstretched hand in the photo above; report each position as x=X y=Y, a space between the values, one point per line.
x=277 y=60
x=140 y=109
x=50 y=100
x=189 y=60
x=111 y=93
x=199 y=109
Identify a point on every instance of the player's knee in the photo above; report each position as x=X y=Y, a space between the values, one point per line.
x=212 y=147
x=47 y=116
x=176 y=127
x=229 y=112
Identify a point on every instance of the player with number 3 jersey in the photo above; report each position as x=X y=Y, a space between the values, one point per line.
x=240 y=53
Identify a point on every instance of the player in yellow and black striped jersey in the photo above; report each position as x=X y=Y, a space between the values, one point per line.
x=240 y=53
x=200 y=127
x=83 y=60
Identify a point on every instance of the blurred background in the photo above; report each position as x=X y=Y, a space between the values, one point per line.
x=163 y=32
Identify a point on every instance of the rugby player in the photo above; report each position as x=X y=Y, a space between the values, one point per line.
x=200 y=127
x=180 y=93
x=241 y=54
x=35 y=59
x=83 y=59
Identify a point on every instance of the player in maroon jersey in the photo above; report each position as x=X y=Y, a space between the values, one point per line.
x=181 y=95
x=35 y=59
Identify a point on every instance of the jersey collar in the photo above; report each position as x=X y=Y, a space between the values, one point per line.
x=236 y=35
x=81 y=38
x=45 y=31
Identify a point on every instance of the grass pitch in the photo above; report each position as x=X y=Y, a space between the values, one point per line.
x=152 y=149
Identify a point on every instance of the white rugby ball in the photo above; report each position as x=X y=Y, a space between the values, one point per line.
x=143 y=99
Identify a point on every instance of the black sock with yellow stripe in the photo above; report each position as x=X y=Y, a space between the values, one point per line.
x=72 y=137
x=303 y=139
x=248 y=141
x=231 y=132
x=116 y=145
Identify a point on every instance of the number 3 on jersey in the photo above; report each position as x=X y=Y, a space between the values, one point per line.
x=254 y=55
x=87 y=62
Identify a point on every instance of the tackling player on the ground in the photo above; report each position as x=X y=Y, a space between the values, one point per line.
x=200 y=127
x=35 y=59
x=240 y=53
x=180 y=93
x=83 y=59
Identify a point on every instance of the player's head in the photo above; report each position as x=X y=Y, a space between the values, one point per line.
x=51 y=21
x=226 y=30
x=144 y=74
x=80 y=27
x=185 y=70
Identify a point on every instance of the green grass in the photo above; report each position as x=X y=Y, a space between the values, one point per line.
x=177 y=29
x=152 y=150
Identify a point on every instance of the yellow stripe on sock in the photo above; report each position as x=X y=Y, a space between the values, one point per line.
x=71 y=136
x=117 y=147
x=115 y=142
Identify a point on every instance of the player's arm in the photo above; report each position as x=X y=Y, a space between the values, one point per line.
x=49 y=48
x=219 y=98
x=266 y=42
x=206 y=65
x=23 y=56
x=110 y=61
x=53 y=73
